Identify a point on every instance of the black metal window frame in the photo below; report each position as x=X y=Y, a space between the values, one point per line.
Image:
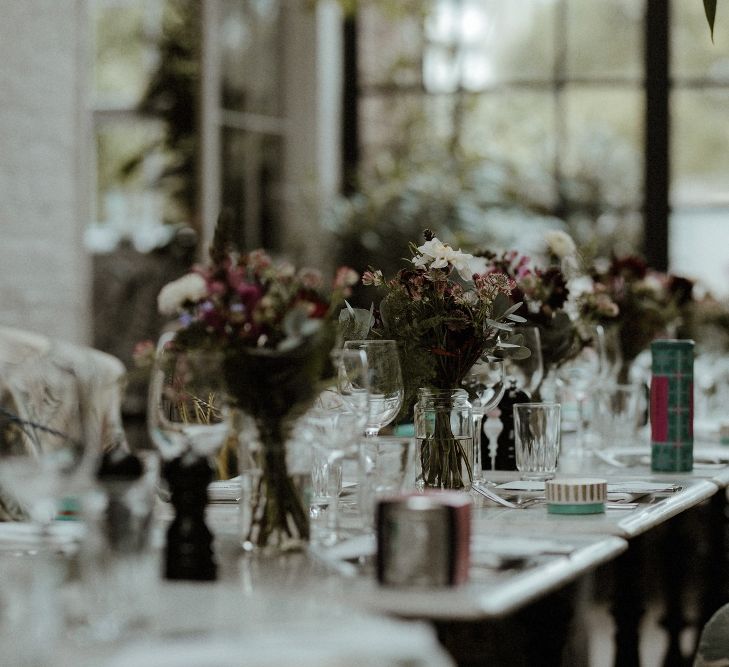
x=656 y=85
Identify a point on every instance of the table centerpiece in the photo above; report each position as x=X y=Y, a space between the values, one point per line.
x=648 y=303
x=446 y=312
x=274 y=327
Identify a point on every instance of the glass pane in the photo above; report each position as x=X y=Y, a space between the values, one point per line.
x=476 y=43
x=603 y=148
x=698 y=242
x=605 y=38
x=123 y=56
x=602 y=179
x=392 y=125
x=390 y=39
x=515 y=131
x=250 y=41
x=252 y=188
x=131 y=189
x=692 y=52
x=699 y=159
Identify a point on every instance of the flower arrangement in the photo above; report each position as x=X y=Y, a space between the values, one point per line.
x=250 y=301
x=642 y=302
x=446 y=311
x=543 y=294
x=274 y=326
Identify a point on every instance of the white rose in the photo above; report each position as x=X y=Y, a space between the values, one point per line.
x=560 y=243
x=580 y=285
x=191 y=287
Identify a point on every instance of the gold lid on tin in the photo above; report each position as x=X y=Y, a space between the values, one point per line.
x=576 y=495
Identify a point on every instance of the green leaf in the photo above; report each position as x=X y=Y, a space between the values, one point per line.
x=515 y=352
x=501 y=305
x=498 y=325
x=355 y=323
x=710 y=9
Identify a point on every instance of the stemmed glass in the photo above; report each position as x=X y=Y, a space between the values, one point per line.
x=333 y=427
x=48 y=453
x=187 y=416
x=40 y=465
x=188 y=422
x=612 y=355
x=333 y=433
x=353 y=381
x=485 y=386
x=582 y=374
x=527 y=373
x=386 y=389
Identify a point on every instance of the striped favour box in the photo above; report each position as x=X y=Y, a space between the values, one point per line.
x=576 y=496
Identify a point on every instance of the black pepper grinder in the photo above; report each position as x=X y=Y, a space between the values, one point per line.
x=189 y=550
x=505 y=449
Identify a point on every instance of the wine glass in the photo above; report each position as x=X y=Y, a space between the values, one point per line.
x=386 y=390
x=187 y=414
x=352 y=374
x=187 y=417
x=612 y=355
x=333 y=432
x=527 y=373
x=582 y=374
x=46 y=448
x=485 y=386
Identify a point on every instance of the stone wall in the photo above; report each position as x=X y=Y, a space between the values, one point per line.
x=44 y=201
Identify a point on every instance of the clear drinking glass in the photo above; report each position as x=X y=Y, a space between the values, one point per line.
x=386 y=467
x=527 y=373
x=386 y=389
x=618 y=415
x=537 y=439
x=334 y=434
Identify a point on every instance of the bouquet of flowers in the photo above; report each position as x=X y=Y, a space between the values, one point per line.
x=274 y=327
x=446 y=311
x=647 y=303
x=543 y=294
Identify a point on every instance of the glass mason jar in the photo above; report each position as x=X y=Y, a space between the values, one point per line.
x=444 y=433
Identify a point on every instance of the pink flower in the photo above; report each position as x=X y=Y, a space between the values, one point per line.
x=311 y=278
x=143 y=353
x=374 y=278
x=258 y=260
x=345 y=277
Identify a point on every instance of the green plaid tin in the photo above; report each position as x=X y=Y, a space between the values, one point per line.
x=672 y=406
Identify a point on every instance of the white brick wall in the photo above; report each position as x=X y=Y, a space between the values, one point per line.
x=44 y=270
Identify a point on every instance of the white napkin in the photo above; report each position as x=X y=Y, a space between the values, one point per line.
x=623 y=491
x=224 y=491
x=19 y=535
